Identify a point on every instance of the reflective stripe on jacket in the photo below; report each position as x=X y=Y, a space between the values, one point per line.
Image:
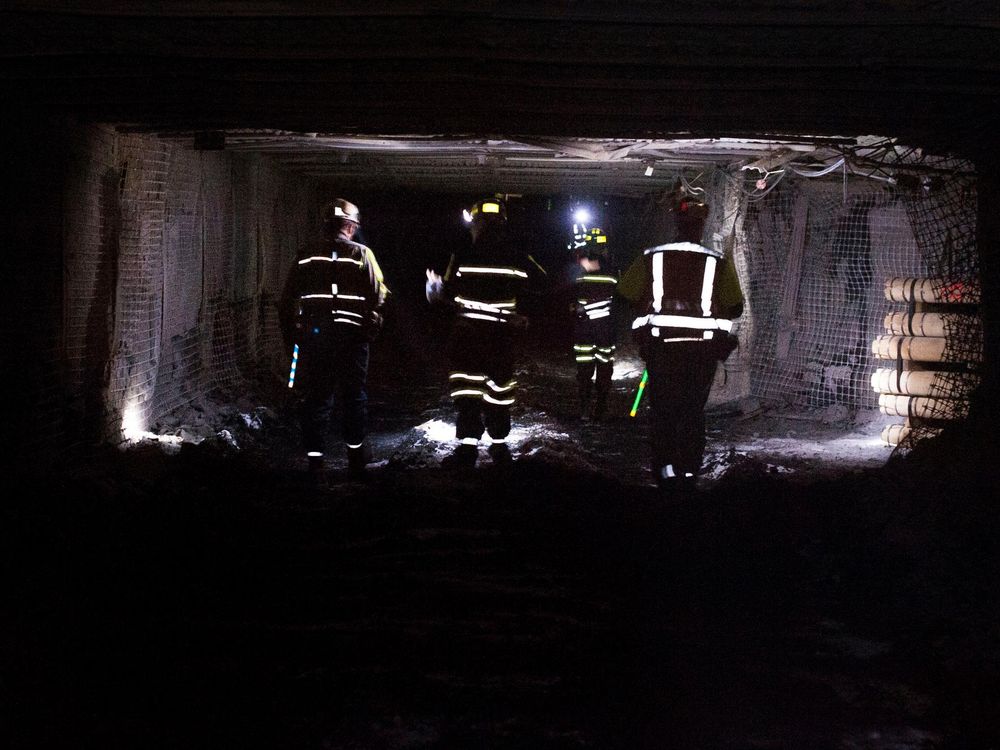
x=683 y=300
x=341 y=286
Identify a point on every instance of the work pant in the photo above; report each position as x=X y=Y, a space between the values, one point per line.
x=593 y=374
x=594 y=353
x=680 y=379
x=331 y=366
x=482 y=367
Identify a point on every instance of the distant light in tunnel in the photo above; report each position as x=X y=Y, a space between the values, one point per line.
x=581 y=216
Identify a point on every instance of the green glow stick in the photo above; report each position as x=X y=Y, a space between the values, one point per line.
x=638 y=396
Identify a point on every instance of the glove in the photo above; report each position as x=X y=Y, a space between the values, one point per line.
x=373 y=325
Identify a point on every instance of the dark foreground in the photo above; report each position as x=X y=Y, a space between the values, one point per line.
x=207 y=600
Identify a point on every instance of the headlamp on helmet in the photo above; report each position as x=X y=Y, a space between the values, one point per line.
x=340 y=210
x=486 y=208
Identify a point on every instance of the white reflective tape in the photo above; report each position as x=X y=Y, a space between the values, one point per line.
x=585 y=358
x=351 y=296
x=498 y=441
x=603 y=358
x=601 y=303
x=316 y=296
x=492 y=270
x=684 y=247
x=347 y=312
x=599 y=279
x=466 y=376
x=683 y=321
x=501 y=388
x=314 y=454
x=708 y=334
x=498 y=401
x=584 y=347
x=667 y=472
x=483 y=316
x=595 y=315
x=345 y=320
x=473 y=304
x=326 y=258
x=682 y=338
x=358 y=263
x=467 y=392
x=355 y=447
x=658 y=282
x=470 y=441
x=707 y=283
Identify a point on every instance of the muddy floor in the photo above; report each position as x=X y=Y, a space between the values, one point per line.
x=813 y=593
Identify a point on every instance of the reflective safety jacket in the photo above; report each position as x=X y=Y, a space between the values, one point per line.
x=593 y=293
x=485 y=282
x=339 y=288
x=684 y=299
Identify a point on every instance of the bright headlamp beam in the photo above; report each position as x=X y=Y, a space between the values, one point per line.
x=581 y=216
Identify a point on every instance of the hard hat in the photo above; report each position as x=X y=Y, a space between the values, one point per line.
x=340 y=209
x=486 y=209
x=592 y=241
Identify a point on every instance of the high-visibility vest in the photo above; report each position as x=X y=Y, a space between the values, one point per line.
x=594 y=293
x=683 y=298
x=339 y=286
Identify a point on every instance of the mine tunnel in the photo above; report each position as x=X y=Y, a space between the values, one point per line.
x=178 y=576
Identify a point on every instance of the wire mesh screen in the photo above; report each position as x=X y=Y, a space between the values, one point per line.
x=814 y=256
x=937 y=332
x=174 y=261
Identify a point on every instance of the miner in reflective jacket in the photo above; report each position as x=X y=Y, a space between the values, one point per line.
x=483 y=285
x=593 y=283
x=689 y=296
x=335 y=295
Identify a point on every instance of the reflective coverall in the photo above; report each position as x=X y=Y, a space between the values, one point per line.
x=339 y=290
x=483 y=286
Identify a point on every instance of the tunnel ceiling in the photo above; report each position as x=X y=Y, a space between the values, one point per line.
x=519 y=164
x=491 y=72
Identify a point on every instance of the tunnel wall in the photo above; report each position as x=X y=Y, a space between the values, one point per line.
x=813 y=256
x=162 y=276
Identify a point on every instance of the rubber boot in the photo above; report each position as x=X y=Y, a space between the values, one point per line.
x=500 y=453
x=463 y=457
x=358 y=460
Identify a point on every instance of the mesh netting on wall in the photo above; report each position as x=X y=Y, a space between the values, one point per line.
x=175 y=259
x=815 y=255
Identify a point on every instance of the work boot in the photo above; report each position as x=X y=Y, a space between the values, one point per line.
x=317 y=470
x=358 y=460
x=672 y=485
x=463 y=457
x=500 y=454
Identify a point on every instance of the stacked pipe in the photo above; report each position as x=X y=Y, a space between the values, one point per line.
x=932 y=353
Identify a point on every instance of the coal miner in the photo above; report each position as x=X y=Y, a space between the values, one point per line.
x=592 y=281
x=332 y=304
x=688 y=296
x=483 y=284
